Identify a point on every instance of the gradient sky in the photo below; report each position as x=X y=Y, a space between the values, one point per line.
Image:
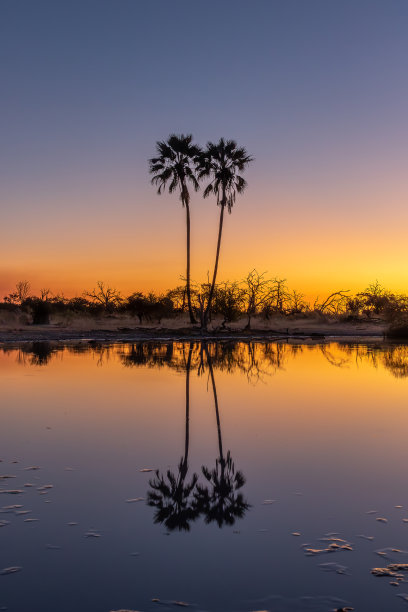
x=316 y=90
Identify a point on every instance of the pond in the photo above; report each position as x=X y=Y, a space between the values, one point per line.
x=220 y=477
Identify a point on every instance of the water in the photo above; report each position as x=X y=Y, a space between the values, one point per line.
x=304 y=448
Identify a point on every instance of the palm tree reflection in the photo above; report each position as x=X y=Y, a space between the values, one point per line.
x=220 y=500
x=180 y=501
x=171 y=494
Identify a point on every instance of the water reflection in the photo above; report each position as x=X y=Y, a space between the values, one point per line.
x=180 y=501
x=257 y=360
x=220 y=501
x=172 y=494
x=90 y=416
x=36 y=353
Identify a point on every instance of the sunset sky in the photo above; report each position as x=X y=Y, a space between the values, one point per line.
x=316 y=90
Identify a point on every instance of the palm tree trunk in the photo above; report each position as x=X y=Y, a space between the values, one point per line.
x=190 y=309
x=217 y=256
x=187 y=437
x=217 y=412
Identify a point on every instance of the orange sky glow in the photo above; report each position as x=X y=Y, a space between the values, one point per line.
x=317 y=95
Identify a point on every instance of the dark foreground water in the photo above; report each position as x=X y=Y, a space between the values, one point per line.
x=282 y=477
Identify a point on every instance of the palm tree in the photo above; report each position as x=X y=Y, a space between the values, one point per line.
x=221 y=502
x=221 y=163
x=172 y=496
x=175 y=166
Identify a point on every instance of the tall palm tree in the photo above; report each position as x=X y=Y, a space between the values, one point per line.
x=171 y=496
x=175 y=166
x=221 y=163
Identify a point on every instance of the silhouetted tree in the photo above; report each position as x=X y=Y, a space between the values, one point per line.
x=45 y=294
x=175 y=166
x=335 y=303
x=20 y=294
x=221 y=163
x=296 y=301
x=162 y=307
x=138 y=305
x=77 y=304
x=178 y=296
x=104 y=295
x=257 y=292
x=228 y=301
x=40 y=310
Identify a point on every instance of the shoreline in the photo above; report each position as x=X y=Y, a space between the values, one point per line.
x=127 y=336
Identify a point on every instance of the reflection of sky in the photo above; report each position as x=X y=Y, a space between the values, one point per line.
x=337 y=435
x=317 y=92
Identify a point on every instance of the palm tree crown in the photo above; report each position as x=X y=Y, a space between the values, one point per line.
x=221 y=502
x=172 y=498
x=222 y=162
x=175 y=165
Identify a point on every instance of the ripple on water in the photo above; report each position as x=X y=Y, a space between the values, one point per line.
x=10 y=570
x=404 y=596
x=180 y=604
x=45 y=487
x=301 y=604
x=11 y=508
x=92 y=534
x=334 y=567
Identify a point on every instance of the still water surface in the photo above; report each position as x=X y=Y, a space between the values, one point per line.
x=274 y=463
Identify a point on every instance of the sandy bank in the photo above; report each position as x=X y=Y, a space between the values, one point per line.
x=49 y=334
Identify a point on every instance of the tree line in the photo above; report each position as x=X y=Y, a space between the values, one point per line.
x=257 y=295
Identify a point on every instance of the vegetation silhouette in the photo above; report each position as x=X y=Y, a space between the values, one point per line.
x=175 y=166
x=254 y=298
x=171 y=494
x=106 y=296
x=221 y=163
